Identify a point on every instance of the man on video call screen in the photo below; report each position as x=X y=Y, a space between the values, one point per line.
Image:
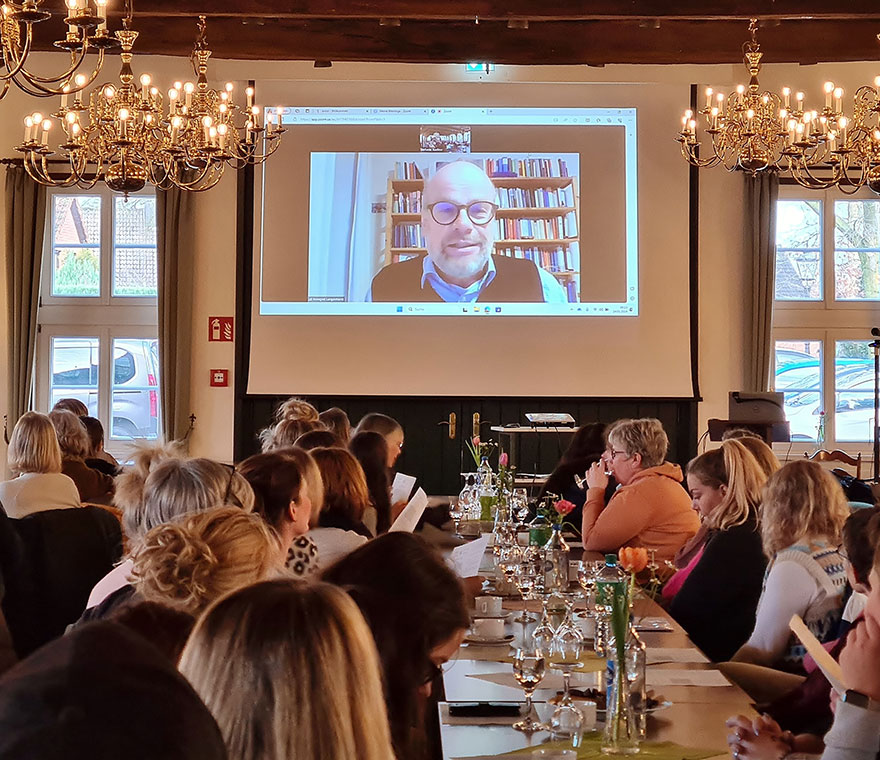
x=458 y=223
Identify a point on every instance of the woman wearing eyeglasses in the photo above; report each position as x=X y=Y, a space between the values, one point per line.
x=458 y=224
x=650 y=508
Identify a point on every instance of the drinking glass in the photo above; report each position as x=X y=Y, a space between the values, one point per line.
x=457 y=512
x=544 y=632
x=587 y=570
x=557 y=605
x=528 y=670
x=520 y=504
x=509 y=559
x=525 y=582
x=567 y=720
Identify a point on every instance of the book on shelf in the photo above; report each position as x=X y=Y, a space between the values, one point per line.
x=541 y=197
x=551 y=228
x=407 y=235
x=407 y=170
x=559 y=259
x=526 y=167
x=407 y=203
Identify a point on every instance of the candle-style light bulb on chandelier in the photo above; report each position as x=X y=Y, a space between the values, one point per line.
x=753 y=131
x=86 y=32
x=129 y=135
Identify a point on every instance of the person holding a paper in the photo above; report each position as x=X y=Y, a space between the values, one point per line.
x=802 y=516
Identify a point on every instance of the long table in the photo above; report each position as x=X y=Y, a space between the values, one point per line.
x=695 y=718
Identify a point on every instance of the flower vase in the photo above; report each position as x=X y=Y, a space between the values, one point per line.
x=625 y=718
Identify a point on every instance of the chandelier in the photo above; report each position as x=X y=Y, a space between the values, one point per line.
x=86 y=32
x=129 y=135
x=756 y=131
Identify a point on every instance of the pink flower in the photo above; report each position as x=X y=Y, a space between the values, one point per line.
x=564 y=507
x=502 y=460
x=476 y=440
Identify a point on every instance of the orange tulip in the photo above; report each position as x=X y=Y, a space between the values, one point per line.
x=633 y=559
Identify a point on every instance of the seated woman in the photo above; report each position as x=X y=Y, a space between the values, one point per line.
x=71 y=405
x=296 y=409
x=337 y=422
x=283 y=499
x=649 y=508
x=802 y=514
x=388 y=428
x=340 y=523
x=585 y=449
x=161 y=488
x=395 y=572
x=93 y=486
x=762 y=452
x=289 y=670
x=284 y=433
x=371 y=450
x=719 y=595
x=315 y=439
x=192 y=562
x=34 y=458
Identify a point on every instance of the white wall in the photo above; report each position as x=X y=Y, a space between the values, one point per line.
x=722 y=279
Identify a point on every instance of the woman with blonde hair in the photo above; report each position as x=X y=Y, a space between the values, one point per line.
x=296 y=409
x=284 y=433
x=341 y=527
x=189 y=563
x=162 y=487
x=34 y=457
x=763 y=453
x=75 y=446
x=721 y=583
x=290 y=670
x=802 y=515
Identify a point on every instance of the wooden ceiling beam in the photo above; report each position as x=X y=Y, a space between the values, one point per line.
x=548 y=10
x=593 y=43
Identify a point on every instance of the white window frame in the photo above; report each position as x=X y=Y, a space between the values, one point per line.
x=826 y=320
x=105 y=316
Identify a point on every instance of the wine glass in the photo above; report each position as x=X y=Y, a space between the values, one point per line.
x=587 y=570
x=567 y=720
x=509 y=560
x=528 y=670
x=544 y=633
x=520 y=504
x=457 y=511
x=525 y=583
x=557 y=606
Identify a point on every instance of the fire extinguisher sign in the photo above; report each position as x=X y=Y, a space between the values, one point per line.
x=220 y=329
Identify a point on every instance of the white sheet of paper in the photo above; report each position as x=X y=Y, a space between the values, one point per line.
x=657 y=677
x=826 y=663
x=408 y=519
x=402 y=487
x=466 y=559
x=683 y=655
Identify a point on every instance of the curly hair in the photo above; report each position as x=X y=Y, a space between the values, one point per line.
x=284 y=433
x=802 y=501
x=189 y=563
x=296 y=409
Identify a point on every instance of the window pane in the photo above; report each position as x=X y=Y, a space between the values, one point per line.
x=853 y=391
x=134 y=246
x=74 y=371
x=798 y=250
x=798 y=374
x=857 y=250
x=76 y=245
x=135 y=392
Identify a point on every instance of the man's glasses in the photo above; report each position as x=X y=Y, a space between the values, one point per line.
x=479 y=212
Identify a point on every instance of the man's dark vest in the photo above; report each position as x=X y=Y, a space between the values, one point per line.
x=516 y=281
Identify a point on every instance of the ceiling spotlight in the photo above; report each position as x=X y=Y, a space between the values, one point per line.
x=389 y=22
x=518 y=23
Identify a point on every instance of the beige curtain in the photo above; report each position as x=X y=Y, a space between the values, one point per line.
x=175 y=239
x=25 y=219
x=761 y=194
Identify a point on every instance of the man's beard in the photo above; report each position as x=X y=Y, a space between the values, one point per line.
x=461 y=267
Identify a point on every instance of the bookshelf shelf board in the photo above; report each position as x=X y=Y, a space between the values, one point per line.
x=546 y=182
x=406 y=185
x=400 y=217
x=398 y=251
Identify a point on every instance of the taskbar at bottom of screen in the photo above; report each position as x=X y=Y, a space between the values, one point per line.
x=324 y=308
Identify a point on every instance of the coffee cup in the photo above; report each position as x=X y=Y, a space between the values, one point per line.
x=488 y=628
x=488 y=605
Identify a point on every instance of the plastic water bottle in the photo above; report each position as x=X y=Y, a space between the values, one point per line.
x=610 y=581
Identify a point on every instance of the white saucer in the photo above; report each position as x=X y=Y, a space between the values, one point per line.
x=474 y=639
x=480 y=616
